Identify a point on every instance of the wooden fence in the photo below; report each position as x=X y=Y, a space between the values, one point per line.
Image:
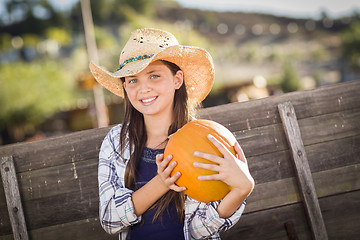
x=303 y=150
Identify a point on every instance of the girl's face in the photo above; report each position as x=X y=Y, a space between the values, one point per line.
x=152 y=91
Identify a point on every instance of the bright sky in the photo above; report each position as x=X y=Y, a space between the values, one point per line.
x=293 y=8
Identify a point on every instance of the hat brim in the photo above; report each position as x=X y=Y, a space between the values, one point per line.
x=195 y=62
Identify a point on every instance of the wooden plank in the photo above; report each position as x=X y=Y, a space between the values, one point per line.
x=57 y=180
x=303 y=173
x=341 y=219
x=58 y=209
x=69 y=206
x=265 y=168
x=88 y=229
x=13 y=200
x=322 y=156
x=54 y=151
x=283 y=192
x=268 y=167
x=62 y=208
x=328 y=127
x=5 y=225
x=333 y=154
x=269 y=224
x=262 y=112
x=85 y=144
x=340 y=213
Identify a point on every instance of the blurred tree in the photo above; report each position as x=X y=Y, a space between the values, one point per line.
x=31 y=40
x=5 y=42
x=23 y=16
x=31 y=92
x=351 y=45
x=114 y=11
x=289 y=81
x=60 y=35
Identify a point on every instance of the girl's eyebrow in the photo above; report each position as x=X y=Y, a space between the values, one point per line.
x=132 y=76
x=150 y=72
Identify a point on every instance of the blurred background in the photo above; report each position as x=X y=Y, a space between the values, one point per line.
x=259 y=49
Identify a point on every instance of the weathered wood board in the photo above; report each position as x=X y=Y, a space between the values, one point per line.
x=58 y=176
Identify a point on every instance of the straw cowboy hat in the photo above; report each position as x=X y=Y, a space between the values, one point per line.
x=148 y=45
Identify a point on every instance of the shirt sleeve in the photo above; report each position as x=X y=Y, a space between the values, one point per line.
x=116 y=209
x=202 y=221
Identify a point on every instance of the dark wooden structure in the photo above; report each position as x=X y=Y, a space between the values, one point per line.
x=303 y=150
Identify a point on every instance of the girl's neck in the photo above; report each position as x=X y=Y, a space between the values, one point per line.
x=157 y=131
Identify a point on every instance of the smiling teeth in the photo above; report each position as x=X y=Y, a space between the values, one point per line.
x=148 y=100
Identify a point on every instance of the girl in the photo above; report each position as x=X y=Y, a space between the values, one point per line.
x=161 y=82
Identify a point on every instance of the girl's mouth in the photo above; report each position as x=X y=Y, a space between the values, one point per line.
x=148 y=101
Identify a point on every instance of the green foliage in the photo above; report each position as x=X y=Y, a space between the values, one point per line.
x=252 y=52
x=30 y=40
x=31 y=16
x=289 y=81
x=60 y=35
x=5 y=42
x=108 y=11
x=351 y=44
x=31 y=92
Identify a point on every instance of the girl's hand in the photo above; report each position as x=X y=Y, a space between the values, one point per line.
x=232 y=170
x=164 y=171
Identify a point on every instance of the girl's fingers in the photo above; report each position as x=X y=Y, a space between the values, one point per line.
x=224 y=151
x=170 y=181
x=211 y=167
x=165 y=167
x=162 y=162
x=177 y=188
x=167 y=171
x=208 y=156
x=209 y=177
x=159 y=159
x=172 y=184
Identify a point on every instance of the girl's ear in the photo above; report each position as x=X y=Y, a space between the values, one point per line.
x=179 y=79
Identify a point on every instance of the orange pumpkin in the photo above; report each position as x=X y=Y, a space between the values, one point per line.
x=182 y=145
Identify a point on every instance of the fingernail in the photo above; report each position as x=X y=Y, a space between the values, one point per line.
x=173 y=163
x=178 y=174
x=196 y=153
x=209 y=136
x=195 y=164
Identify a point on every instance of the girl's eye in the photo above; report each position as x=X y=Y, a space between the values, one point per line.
x=154 y=76
x=132 y=81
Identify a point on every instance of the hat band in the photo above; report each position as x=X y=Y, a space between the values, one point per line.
x=140 y=57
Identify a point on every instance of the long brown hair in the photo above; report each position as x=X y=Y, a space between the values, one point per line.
x=133 y=132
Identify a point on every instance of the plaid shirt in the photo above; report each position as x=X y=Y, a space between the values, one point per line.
x=116 y=208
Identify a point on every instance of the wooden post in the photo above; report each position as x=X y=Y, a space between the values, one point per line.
x=13 y=200
x=303 y=173
x=100 y=106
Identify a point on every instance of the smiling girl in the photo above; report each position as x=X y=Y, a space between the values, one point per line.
x=161 y=82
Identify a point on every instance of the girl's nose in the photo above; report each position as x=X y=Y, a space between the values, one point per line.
x=144 y=88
